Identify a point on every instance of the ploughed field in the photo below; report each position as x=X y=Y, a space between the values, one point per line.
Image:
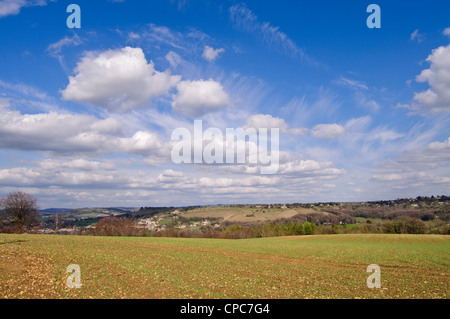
x=319 y=266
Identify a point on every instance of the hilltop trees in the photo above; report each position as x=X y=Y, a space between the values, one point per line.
x=19 y=209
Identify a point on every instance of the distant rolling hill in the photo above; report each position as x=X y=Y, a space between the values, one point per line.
x=83 y=213
x=49 y=211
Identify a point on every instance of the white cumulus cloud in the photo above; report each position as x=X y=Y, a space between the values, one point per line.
x=266 y=121
x=437 y=98
x=211 y=54
x=66 y=134
x=117 y=80
x=196 y=98
x=4 y=103
x=13 y=7
x=446 y=31
x=311 y=167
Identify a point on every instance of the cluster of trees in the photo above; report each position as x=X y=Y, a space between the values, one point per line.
x=399 y=225
x=115 y=226
x=335 y=217
x=404 y=225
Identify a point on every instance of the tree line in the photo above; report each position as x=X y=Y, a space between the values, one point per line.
x=115 y=226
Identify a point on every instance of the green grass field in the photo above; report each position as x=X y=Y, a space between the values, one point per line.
x=329 y=266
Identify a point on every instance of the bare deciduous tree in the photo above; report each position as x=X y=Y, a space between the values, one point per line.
x=20 y=209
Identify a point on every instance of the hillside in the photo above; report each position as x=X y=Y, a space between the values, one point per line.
x=245 y=213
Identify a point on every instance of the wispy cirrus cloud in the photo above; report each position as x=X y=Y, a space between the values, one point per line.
x=55 y=49
x=244 y=19
x=327 y=131
x=362 y=93
x=417 y=36
x=352 y=83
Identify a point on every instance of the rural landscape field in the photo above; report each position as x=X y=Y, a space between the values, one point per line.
x=321 y=266
x=203 y=152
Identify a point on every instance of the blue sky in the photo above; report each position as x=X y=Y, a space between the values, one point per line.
x=86 y=115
